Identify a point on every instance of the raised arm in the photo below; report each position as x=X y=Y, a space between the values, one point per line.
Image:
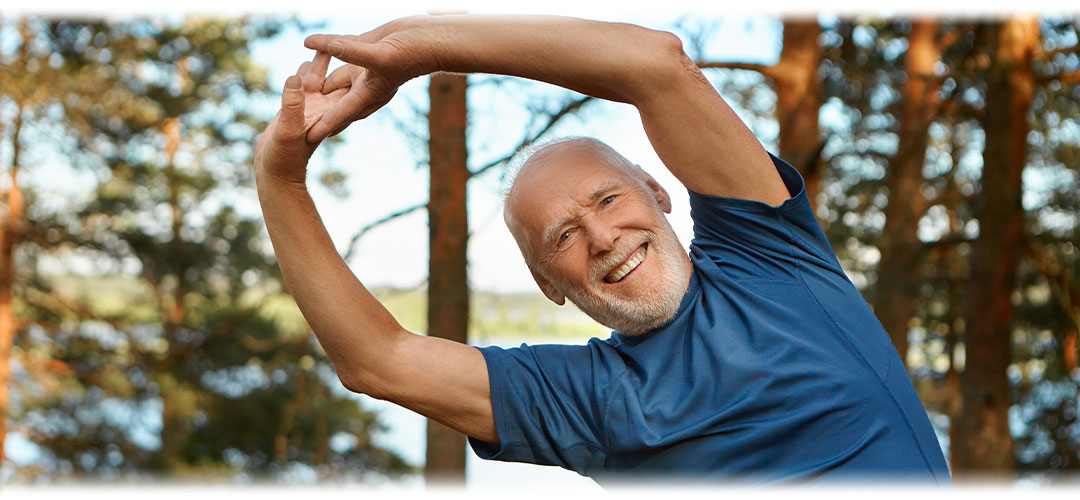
x=371 y=352
x=694 y=132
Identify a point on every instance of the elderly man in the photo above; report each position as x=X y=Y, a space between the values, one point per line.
x=752 y=357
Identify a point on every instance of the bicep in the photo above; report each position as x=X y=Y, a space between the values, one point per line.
x=443 y=380
x=703 y=142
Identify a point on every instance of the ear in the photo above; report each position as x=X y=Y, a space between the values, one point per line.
x=657 y=190
x=545 y=286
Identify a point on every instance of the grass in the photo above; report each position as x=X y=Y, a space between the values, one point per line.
x=493 y=316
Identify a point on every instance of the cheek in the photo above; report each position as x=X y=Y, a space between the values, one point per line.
x=571 y=266
x=640 y=211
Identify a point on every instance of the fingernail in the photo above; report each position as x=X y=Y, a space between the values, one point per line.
x=336 y=47
x=293 y=82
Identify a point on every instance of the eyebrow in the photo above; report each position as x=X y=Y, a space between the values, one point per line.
x=552 y=231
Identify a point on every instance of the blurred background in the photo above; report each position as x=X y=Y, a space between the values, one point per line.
x=145 y=336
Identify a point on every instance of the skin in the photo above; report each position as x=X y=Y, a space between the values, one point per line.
x=579 y=210
x=697 y=136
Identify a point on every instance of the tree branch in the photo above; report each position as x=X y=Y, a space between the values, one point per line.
x=569 y=108
x=356 y=237
x=1045 y=55
x=766 y=70
x=553 y=119
x=861 y=154
x=1073 y=77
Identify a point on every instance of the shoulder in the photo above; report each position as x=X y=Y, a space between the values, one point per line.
x=793 y=182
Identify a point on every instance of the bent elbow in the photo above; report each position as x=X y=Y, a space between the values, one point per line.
x=362 y=385
x=675 y=59
x=664 y=63
x=669 y=42
x=374 y=374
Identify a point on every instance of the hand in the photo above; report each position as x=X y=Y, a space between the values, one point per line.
x=283 y=150
x=379 y=62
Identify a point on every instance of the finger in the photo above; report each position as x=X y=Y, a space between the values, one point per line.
x=310 y=80
x=341 y=78
x=354 y=51
x=359 y=103
x=319 y=64
x=341 y=115
x=343 y=127
x=319 y=42
x=291 y=117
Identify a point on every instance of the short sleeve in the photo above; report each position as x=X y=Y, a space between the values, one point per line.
x=751 y=240
x=547 y=401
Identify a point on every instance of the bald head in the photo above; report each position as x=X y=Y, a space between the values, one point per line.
x=546 y=174
x=565 y=151
x=576 y=149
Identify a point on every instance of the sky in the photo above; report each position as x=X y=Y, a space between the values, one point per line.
x=381 y=161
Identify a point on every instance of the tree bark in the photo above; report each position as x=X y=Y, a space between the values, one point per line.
x=9 y=237
x=448 y=288
x=894 y=301
x=798 y=101
x=175 y=430
x=981 y=442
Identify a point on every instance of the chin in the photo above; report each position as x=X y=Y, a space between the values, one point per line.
x=640 y=315
x=661 y=292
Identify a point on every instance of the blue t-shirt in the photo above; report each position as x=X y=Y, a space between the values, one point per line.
x=773 y=369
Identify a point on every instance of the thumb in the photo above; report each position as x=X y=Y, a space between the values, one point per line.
x=291 y=123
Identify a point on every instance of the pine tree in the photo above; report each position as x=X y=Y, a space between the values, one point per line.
x=178 y=354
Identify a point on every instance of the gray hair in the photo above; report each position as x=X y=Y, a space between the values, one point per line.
x=524 y=154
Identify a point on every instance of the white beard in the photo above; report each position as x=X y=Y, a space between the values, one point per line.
x=647 y=312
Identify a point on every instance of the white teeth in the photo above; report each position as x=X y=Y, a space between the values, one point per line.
x=625 y=269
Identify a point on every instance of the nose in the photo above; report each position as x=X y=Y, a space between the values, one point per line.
x=601 y=236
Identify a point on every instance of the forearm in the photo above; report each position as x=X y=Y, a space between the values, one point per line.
x=351 y=325
x=619 y=62
x=689 y=125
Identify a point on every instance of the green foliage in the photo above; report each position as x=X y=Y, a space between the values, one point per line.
x=177 y=354
x=863 y=71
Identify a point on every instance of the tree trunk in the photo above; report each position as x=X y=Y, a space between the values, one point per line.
x=981 y=442
x=175 y=395
x=894 y=301
x=9 y=233
x=798 y=101
x=448 y=287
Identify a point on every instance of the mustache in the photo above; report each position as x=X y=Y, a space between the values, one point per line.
x=606 y=264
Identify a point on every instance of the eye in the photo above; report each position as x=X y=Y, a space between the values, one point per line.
x=608 y=200
x=565 y=236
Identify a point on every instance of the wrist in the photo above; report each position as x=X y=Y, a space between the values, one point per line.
x=294 y=179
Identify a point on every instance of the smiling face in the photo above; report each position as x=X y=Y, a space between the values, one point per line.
x=592 y=229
